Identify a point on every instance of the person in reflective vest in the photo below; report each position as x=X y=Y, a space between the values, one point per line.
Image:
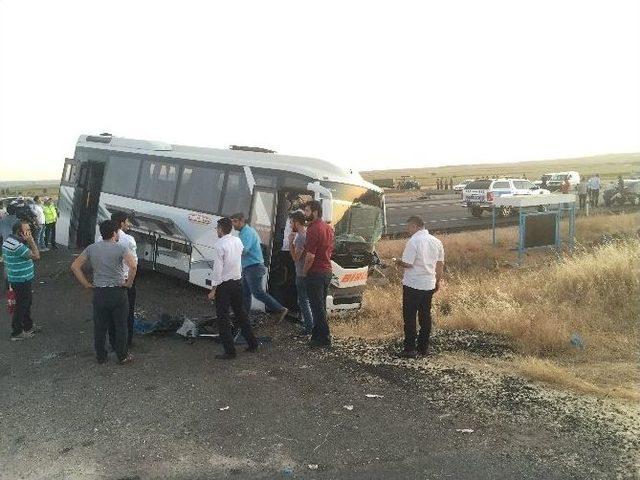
x=50 y=219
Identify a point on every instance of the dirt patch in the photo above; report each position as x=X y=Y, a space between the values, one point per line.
x=446 y=382
x=166 y=416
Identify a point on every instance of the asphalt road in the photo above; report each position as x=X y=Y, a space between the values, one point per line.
x=444 y=212
x=285 y=412
x=438 y=213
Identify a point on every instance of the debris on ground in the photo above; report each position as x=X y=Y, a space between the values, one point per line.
x=188 y=328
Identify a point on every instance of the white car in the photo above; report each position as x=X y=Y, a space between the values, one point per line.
x=460 y=186
x=556 y=181
x=479 y=195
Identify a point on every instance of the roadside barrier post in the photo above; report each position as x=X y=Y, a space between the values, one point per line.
x=493 y=224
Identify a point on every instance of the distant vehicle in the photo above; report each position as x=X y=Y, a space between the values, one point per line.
x=556 y=181
x=460 y=186
x=384 y=182
x=4 y=202
x=543 y=180
x=612 y=194
x=478 y=196
x=177 y=193
x=21 y=207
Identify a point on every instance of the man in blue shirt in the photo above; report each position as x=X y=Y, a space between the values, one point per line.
x=253 y=269
x=19 y=251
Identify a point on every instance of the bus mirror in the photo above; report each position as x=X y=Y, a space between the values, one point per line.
x=327 y=209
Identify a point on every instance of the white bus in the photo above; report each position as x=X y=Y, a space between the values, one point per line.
x=176 y=193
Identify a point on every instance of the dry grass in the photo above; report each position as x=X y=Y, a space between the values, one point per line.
x=552 y=372
x=592 y=296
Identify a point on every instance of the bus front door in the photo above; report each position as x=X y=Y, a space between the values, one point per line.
x=262 y=218
x=82 y=230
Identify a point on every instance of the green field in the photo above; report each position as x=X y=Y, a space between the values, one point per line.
x=608 y=166
x=44 y=188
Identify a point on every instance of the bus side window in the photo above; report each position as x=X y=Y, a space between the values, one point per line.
x=200 y=189
x=158 y=182
x=121 y=176
x=69 y=173
x=237 y=198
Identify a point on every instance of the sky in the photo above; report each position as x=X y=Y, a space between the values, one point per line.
x=367 y=84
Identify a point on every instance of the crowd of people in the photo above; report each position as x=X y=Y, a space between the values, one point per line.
x=238 y=275
x=444 y=184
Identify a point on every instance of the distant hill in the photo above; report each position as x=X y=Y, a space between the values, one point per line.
x=29 y=183
x=608 y=166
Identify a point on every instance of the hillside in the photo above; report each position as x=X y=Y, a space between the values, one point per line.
x=608 y=166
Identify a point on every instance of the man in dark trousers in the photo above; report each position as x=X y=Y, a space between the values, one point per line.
x=423 y=263
x=227 y=289
x=123 y=223
x=19 y=250
x=110 y=302
x=253 y=269
x=318 y=248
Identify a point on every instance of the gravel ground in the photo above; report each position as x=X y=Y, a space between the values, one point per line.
x=286 y=412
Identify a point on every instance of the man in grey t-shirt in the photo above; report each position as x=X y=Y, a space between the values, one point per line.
x=296 y=242
x=110 y=302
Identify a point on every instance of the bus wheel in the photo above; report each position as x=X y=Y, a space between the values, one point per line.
x=476 y=212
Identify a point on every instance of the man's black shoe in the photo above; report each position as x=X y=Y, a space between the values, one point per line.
x=319 y=343
x=408 y=354
x=423 y=352
x=251 y=349
x=225 y=356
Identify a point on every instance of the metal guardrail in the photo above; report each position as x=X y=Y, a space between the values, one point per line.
x=508 y=222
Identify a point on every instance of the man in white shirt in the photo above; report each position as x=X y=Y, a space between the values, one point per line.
x=423 y=263
x=124 y=223
x=226 y=289
x=594 y=189
x=38 y=211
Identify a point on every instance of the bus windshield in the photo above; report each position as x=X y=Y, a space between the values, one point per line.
x=357 y=215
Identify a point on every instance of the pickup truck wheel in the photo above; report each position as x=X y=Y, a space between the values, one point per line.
x=476 y=212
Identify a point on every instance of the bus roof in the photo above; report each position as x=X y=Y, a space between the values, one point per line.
x=314 y=168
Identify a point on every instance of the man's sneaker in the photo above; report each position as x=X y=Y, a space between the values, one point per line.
x=302 y=335
x=125 y=360
x=408 y=354
x=22 y=336
x=34 y=329
x=313 y=343
x=281 y=315
x=225 y=356
x=44 y=249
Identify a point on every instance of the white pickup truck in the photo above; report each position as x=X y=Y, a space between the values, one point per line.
x=479 y=195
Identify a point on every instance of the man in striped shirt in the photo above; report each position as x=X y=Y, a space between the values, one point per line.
x=19 y=251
